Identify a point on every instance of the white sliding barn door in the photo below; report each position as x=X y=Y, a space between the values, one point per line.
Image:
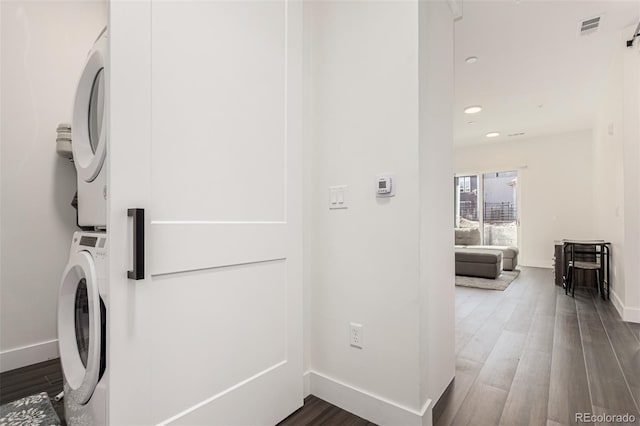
x=205 y=136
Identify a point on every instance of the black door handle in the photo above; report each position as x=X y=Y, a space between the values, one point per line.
x=138 y=244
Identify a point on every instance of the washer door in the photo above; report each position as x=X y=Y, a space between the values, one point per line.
x=79 y=327
x=89 y=123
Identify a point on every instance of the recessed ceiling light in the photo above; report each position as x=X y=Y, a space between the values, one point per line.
x=493 y=134
x=471 y=59
x=471 y=122
x=473 y=109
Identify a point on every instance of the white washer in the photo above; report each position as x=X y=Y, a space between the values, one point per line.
x=82 y=322
x=89 y=137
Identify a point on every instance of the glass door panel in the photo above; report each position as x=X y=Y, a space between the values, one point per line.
x=500 y=215
x=467 y=208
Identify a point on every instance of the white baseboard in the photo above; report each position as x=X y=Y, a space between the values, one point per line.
x=631 y=314
x=617 y=303
x=27 y=355
x=366 y=405
x=545 y=264
x=627 y=313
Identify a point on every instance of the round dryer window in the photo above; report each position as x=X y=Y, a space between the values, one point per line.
x=96 y=110
x=88 y=130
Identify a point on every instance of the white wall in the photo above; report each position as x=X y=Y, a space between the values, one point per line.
x=369 y=72
x=44 y=45
x=365 y=258
x=616 y=184
x=555 y=180
x=307 y=176
x=437 y=265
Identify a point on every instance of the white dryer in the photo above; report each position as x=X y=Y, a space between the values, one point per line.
x=89 y=137
x=82 y=323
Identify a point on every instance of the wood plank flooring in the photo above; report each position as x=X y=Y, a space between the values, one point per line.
x=532 y=356
x=527 y=356
x=316 y=412
x=42 y=377
x=47 y=377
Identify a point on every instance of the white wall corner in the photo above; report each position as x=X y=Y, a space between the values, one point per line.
x=456 y=8
x=371 y=407
x=427 y=413
x=306 y=384
x=627 y=313
x=28 y=355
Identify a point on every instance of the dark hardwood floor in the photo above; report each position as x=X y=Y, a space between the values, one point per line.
x=527 y=356
x=532 y=356
x=317 y=412
x=43 y=377
x=47 y=377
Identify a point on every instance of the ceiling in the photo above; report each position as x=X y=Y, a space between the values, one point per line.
x=534 y=73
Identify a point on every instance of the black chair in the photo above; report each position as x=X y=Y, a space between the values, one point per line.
x=586 y=256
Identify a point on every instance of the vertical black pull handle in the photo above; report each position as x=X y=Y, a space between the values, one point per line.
x=138 y=244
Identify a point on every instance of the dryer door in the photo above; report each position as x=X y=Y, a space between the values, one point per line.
x=80 y=327
x=89 y=123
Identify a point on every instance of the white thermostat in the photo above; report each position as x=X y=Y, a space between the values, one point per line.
x=385 y=186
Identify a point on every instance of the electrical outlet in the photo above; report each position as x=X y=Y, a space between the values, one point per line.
x=356 y=335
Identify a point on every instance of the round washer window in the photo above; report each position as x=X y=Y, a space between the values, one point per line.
x=82 y=321
x=96 y=110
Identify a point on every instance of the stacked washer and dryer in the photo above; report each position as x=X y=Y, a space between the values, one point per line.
x=82 y=303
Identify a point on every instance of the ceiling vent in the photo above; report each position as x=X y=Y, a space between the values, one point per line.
x=516 y=134
x=589 y=26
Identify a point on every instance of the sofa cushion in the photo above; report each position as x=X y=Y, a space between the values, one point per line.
x=482 y=270
x=467 y=236
x=478 y=256
x=507 y=251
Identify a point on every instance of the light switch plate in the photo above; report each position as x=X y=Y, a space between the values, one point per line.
x=338 y=197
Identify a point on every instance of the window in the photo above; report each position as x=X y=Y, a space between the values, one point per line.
x=488 y=202
x=465 y=184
